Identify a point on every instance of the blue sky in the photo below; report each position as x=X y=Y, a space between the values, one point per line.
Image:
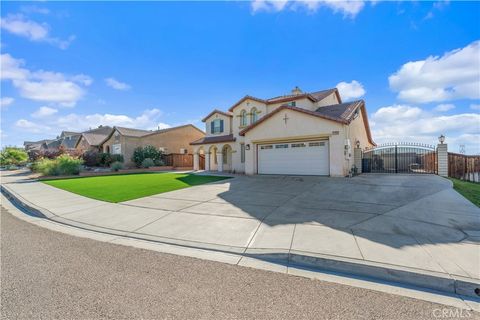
x=71 y=66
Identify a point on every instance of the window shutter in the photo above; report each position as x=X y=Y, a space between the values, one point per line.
x=212 y=127
x=221 y=125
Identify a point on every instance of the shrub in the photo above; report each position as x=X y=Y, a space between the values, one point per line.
x=63 y=165
x=67 y=165
x=147 y=152
x=105 y=159
x=117 y=165
x=147 y=163
x=13 y=156
x=44 y=166
x=91 y=158
x=117 y=157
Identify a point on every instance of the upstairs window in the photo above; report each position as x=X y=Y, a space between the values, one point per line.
x=253 y=115
x=292 y=104
x=243 y=118
x=216 y=126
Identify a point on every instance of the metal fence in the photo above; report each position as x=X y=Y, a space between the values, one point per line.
x=400 y=158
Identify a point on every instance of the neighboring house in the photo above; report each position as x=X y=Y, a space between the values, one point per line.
x=92 y=139
x=36 y=145
x=300 y=134
x=172 y=140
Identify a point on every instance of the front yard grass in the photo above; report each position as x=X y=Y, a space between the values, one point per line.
x=469 y=190
x=118 y=188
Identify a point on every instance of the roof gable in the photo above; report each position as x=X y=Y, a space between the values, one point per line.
x=214 y=112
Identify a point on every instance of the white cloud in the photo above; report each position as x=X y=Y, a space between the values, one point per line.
x=46 y=126
x=400 y=123
x=46 y=86
x=162 y=125
x=44 y=112
x=21 y=26
x=350 y=90
x=31 y=127
x=444 y=107
x=455 y=75
x=117 y=85
x=474 y=106
x=6 y=101
x=349 y=8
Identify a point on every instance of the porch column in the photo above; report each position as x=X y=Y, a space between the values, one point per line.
x=207 y=161
x=219 y=161
x=442 y=158
x=196 y=161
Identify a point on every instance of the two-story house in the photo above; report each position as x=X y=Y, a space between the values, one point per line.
x=298 y=134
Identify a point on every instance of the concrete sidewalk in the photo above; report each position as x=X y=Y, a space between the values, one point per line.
x=414 y=230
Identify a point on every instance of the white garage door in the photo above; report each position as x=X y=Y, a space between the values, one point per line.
x=302 y=158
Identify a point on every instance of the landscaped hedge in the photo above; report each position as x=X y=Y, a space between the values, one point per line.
x=62 y=165
x=140 y=154
x=100 y=159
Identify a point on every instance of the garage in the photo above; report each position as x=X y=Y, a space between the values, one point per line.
x=296 y=158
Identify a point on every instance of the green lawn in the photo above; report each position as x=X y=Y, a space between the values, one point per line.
x=118 y=188
x=469 y=190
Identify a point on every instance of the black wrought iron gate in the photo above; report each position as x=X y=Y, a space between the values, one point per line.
x=400 y=158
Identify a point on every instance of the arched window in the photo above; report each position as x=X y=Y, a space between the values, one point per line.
x=253 y=115
x=243 y=118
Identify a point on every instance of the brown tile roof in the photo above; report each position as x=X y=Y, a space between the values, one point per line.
x=216 y=111
x=342 y=113
x=214 y=139
x=313 y=96
x=96 y=136
x=139 y=133
x=132 y=132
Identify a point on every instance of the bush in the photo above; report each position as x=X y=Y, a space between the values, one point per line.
x=117 y=165
x=67 y=165
x=147 y=152
x=117 y=157
x=44 y=166
x=13 y=156
x=91 y=158
x=105 y=159
x=147 y=163
x=63 y=165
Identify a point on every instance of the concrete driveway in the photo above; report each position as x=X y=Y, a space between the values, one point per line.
x=411 y=223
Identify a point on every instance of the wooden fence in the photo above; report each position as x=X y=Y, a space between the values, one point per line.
x=464 y=167
x=179 y=160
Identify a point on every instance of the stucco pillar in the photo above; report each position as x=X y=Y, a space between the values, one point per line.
x=442 y=159
x=207 y=161
x=357 y=159
x=219 y=161
x=196 y=161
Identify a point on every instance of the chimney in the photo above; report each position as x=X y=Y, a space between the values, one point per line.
x=296 y=91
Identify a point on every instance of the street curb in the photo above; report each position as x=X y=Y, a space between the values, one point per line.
x=353 y=267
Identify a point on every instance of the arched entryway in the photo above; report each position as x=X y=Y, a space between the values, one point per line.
x=227 y=158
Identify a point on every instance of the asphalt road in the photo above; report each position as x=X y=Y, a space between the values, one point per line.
x=45 y=274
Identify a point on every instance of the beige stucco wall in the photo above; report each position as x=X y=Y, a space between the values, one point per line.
x=298 y=126
x=357 y=132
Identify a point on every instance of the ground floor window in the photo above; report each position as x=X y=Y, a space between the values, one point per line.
x=242 y=152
